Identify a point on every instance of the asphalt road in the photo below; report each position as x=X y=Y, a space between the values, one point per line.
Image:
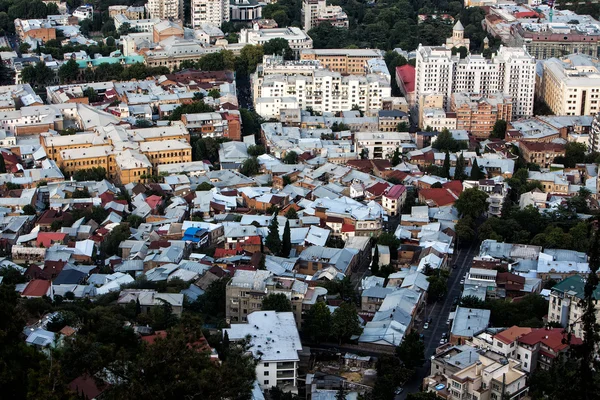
x=439 y=313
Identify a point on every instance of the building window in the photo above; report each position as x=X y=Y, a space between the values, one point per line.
x=266 y=381
x=266 y=373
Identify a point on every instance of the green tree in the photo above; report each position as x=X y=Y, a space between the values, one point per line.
x=344 y=322
x=256 y=150
x=291 y=157
x=37 y=75
x=438 y=287
x=276 y=302
x=250 y=167
x=471 y=202
x=28 y=209
x=445 y=142
x=291 y=213
x=402 y=127
x=204 y=186
x=396 y=157
x=375 y=262
x=459 y=170
x=24 y=48
x=574 y=154
x=465 y=229
x=250 y=57
x=134 y=221
x=286 y=243
x=143 y=123
x=119 y=234
x=499 y=129
x=279 y=47
x=69 y=71
x=476 y=172
x=446 y=166
x=81 y=193
x=192 y=108
x=214 y=93
x=273 y=242
x=411 y=351
x=317 y=324
x=251 y=122
x=472 y=302
x=185 y=371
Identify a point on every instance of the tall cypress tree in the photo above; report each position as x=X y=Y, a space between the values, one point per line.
x=459 y=171
x=286 y=243
x=375 y=262
x=476 y=173
x=446 y=167
x=273 y=241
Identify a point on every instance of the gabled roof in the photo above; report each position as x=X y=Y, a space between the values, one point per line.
x=511 y=334
x=553 y=338
x=47 y=238
x=36 y=288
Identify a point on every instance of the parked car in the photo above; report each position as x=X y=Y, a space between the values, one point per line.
x=426 y=325
x=462 y=281
x=443 y=341
x=399 y=390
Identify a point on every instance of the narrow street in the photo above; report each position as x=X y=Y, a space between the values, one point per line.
x=439 y=313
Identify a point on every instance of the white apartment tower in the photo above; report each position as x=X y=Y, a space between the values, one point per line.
x=310 y=10
x=511 y=71
x=165 y=9
x=214 y=12
x=306 y=84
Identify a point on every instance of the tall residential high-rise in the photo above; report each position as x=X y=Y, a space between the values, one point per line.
x=315 y=12
x=214 y=12
x=510 y=71
x=165 y=9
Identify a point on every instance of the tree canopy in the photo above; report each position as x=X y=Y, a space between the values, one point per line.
x=276 y=302
x=471 y=202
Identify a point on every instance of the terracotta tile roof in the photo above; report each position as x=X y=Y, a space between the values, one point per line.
x=378 y=189
x=407 y=74
x=395 y=192
x=511 y=334
x=36 y=288
x=150 y=339
x=88 y=387
x=67 y=331
x=47 y=238
x=153 y=201
x=361 y=165
x=552 y=338
x=440 y=196
x=455 y=186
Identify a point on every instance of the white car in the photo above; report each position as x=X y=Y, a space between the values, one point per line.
x=462 y=281
x=426 y=325
x=443 y=341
